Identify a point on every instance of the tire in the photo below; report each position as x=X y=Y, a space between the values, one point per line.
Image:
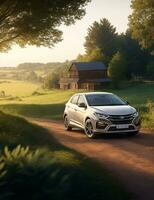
x=66 y=124
x=89 y=129
x=133 y=133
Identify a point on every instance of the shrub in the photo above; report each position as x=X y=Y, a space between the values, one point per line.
x=38 y=175
x=51 y=81
x=148 y=116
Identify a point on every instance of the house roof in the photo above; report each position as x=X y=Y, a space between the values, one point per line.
x=89 y=66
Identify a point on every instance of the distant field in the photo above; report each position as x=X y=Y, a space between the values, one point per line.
x=17 y=88
x=50 y=104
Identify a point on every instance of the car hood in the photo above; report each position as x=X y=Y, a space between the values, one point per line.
x=114 y=110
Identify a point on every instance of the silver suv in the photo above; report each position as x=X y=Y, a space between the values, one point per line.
x=101 y=112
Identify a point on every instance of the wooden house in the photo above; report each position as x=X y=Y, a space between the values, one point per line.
x=85 y=75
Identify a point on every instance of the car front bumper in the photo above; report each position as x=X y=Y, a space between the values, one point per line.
x=106 y=126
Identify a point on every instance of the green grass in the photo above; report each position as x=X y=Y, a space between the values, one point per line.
x=98 y=183
x=18 y=88
x=50 y=104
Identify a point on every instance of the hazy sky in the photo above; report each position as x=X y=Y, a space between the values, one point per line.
x=116 y=11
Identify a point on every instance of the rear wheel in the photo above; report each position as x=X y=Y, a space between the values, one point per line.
x=66 y=124
x=89 y=131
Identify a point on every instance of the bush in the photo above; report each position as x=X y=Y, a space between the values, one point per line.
x=39 y=175
x=51 y=81
x=148 y=116
x=31 y=175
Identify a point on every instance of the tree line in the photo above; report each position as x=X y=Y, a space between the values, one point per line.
x=122 y=53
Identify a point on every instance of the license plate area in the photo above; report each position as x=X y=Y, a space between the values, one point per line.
x=122 y=126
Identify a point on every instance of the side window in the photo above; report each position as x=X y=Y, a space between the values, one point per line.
x=74 y=99
x=81 y=100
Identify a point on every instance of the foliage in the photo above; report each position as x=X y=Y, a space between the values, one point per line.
x=148 y=116
x=102 y=42
x=36 y=22
x=137 y=58
x=142 y=22
x=51 y=81
x=27 y=174
x=101 y=35
x=150 y=70
x=117 y=70
x=94 y=55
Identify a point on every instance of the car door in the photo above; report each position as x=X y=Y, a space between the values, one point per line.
x=72 y=108
x=80 y=112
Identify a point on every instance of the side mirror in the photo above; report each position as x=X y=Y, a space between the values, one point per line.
x=82 y=105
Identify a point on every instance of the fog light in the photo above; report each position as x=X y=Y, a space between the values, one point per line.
x=101 y=125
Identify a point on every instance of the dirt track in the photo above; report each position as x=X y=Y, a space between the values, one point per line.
x=130 y=159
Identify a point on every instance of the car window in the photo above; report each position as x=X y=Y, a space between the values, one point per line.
x=104 y=100
x=81 y=100
x=74 y=100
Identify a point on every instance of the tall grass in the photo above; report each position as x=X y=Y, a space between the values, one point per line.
x=148 y=116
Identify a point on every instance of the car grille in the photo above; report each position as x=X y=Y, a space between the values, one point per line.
x=121 y=119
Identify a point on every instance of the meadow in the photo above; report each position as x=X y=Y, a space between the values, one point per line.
x=30 y=100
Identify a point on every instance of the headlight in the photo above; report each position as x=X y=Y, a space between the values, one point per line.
x=101 y=116
x=135 y=114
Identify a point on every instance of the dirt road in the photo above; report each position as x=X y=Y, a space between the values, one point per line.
x=130 y=159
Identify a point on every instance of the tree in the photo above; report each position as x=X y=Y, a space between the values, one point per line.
x=94 y=55
x=51 y=81
x=137 y=58
x=81 y=58
x=101 y=35
x=142 y=22
x=36 y=22
x=117 y=70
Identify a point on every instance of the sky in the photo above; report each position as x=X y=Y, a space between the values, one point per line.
x=116 y=11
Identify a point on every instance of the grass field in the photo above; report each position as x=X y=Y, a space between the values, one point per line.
x=35 y=102
x=88 y=179
x=17 y=88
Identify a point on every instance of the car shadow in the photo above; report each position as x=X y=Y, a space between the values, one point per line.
x=145 y=139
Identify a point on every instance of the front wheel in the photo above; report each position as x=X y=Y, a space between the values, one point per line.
x=89 y=131
x=66 y=124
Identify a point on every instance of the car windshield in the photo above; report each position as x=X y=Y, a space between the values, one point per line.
x=104 y=100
